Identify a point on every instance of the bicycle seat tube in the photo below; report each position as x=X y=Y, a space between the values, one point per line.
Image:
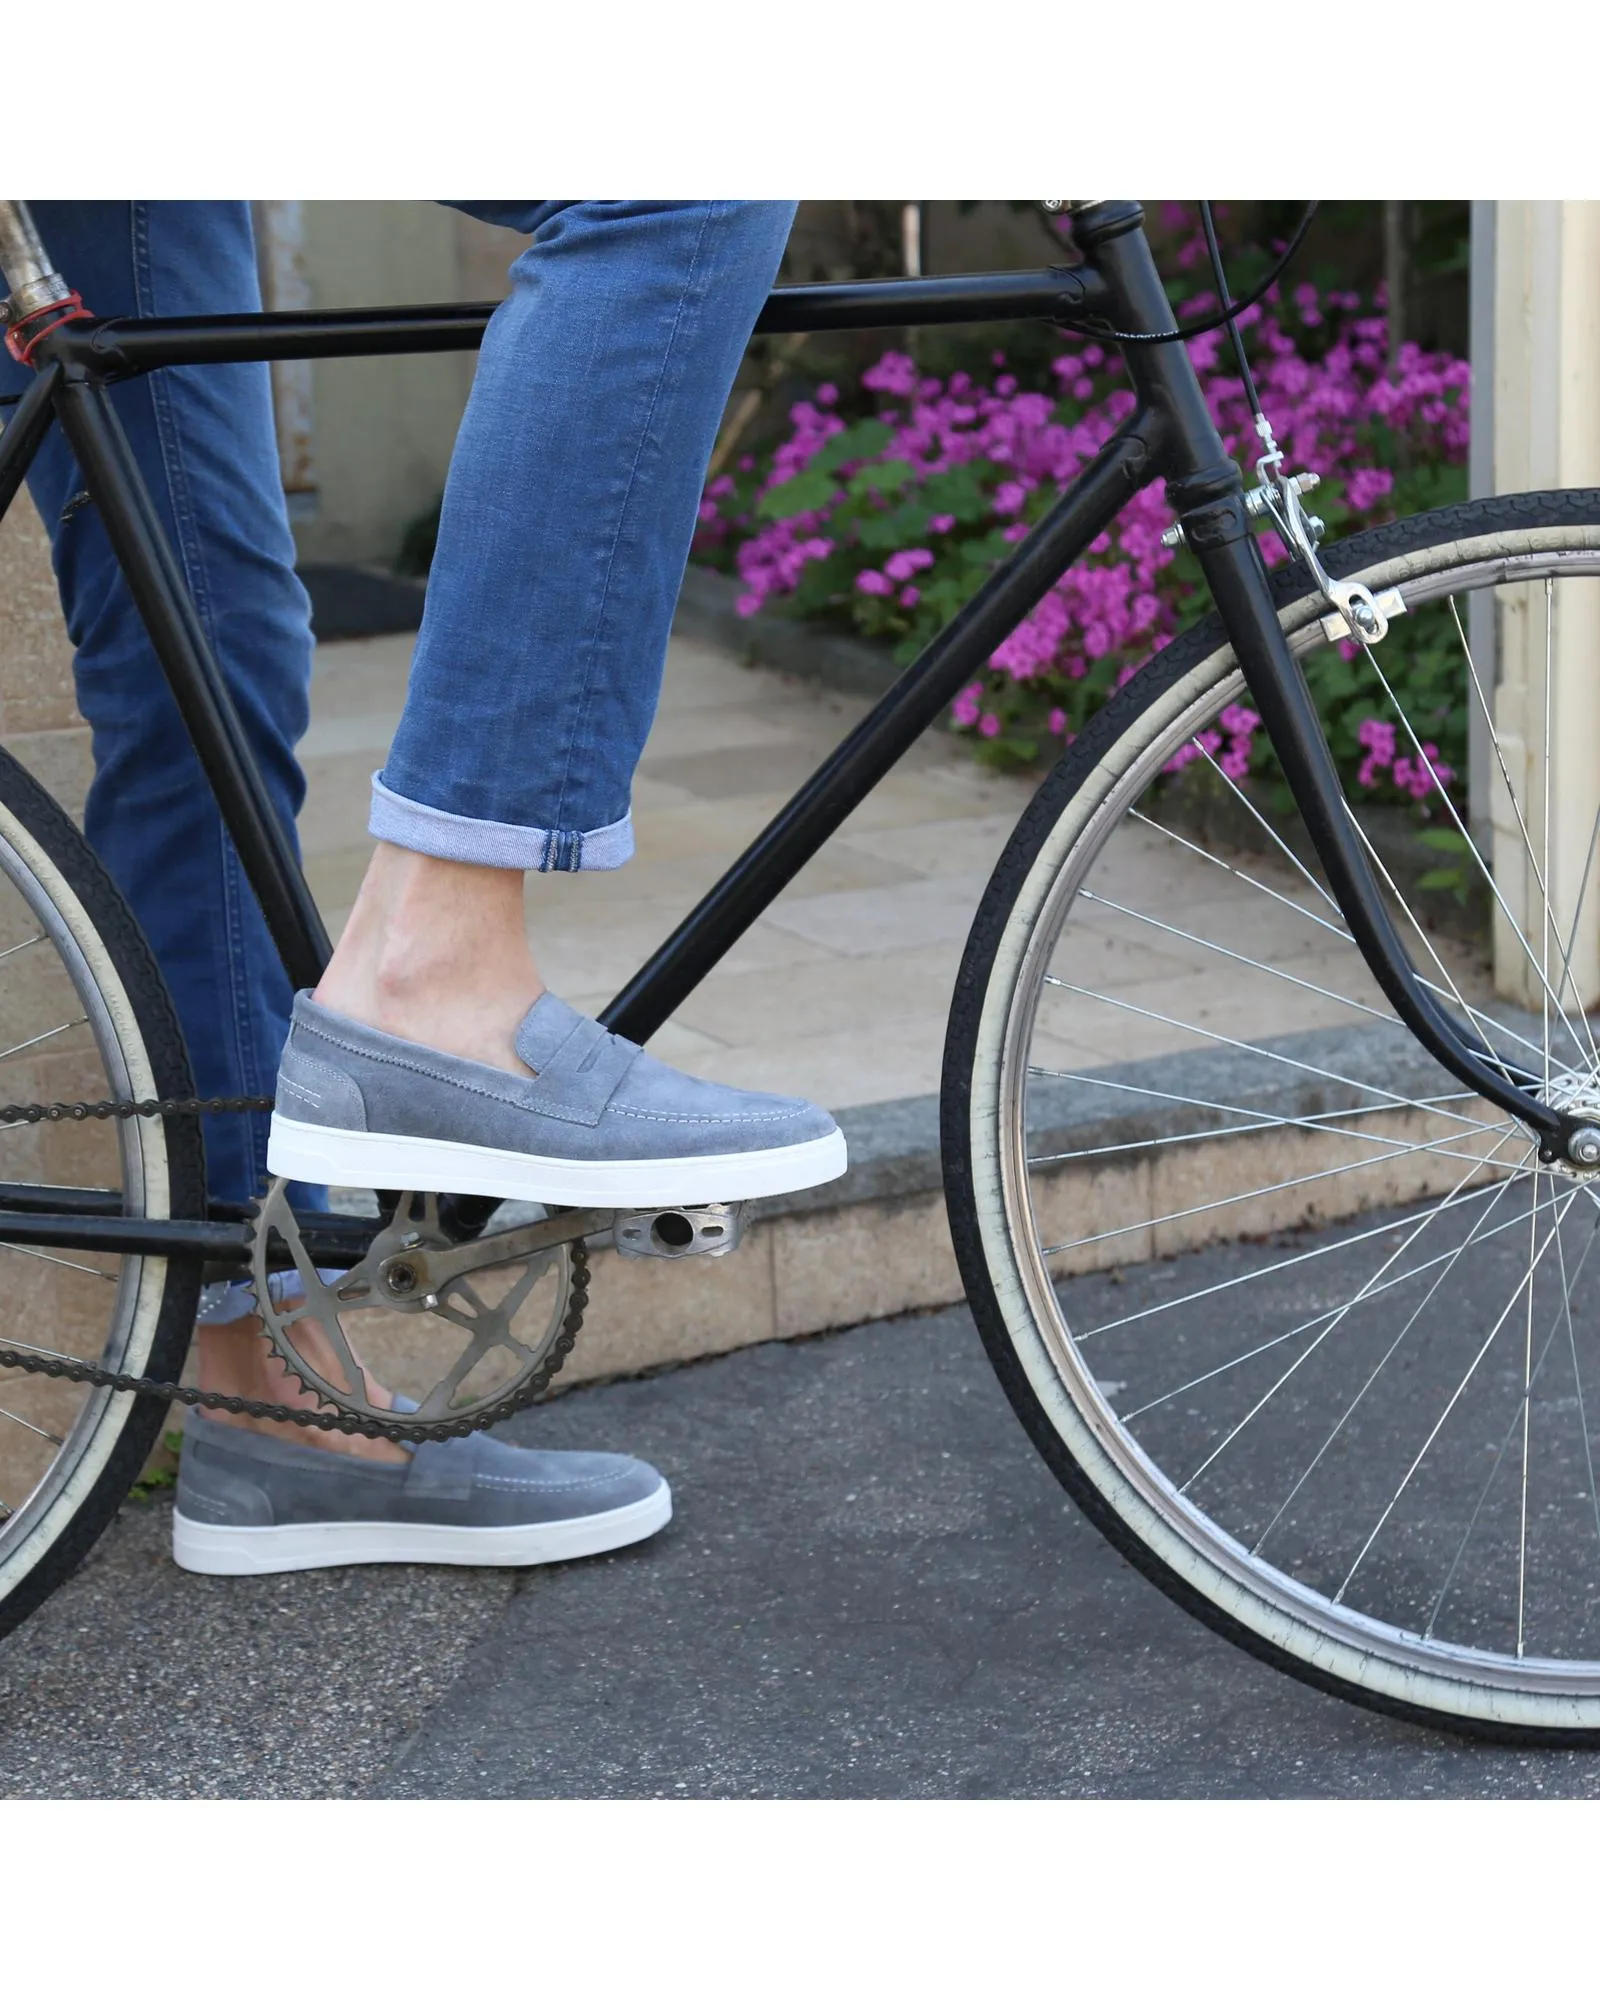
x=1207 y=492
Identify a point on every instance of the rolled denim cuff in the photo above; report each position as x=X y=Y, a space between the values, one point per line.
x=492 y=843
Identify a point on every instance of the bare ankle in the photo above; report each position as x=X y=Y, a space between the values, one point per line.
x=435 y=952
x=237 y=1360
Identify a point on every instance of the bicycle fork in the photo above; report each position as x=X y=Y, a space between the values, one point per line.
x=1207 y=492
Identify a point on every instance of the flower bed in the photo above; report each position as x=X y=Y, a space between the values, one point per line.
x=888 y=502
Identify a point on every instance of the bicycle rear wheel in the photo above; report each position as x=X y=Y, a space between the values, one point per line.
x=84 y=1015
x=1302 y=1324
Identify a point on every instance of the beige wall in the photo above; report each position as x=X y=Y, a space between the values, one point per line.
x=39 y=719
x=1546 y=434
x=382 y=428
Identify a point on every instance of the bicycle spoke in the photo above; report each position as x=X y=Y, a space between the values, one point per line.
x=1504 y=1446
x=1228 y=1042
x=1447 y=1261
x=1311 y=916
x=1316 y=1121
x=65 y=1263
x=1567 y=1285
x=1269 y=830
x=1337 y=930
x=1527 y=1414
x=1334 y=1323
x=1305 y=1326
x=48 y=1436
x=33 y=1041
x=1264 y=1271
x=1444 y=1415
x=1239 y=957
x=1511 y=794
x=1454 y=816
x=1401 y=1150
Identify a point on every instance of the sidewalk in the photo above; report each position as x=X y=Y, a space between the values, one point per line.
x=840 y=991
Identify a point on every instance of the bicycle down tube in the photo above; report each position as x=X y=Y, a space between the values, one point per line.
x=1170 y=436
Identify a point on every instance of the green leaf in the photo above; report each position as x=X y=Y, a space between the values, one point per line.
x=1441 y=878
x=863 y=440
x=804 y=494
x=1445 y=840
x=883 y=475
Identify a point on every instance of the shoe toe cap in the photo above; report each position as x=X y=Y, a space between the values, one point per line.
x=562 y=1484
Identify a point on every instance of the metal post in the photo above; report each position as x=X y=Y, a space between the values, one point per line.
x=1482 y=625
x=25 y=265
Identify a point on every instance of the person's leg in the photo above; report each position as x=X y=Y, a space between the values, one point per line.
x=430 y=1055
x=205 y=444
x=565 y=530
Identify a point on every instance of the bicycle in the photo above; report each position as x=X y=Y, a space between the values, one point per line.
x=1356 y=1402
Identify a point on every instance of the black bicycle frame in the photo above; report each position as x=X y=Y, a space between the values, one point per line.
x=1170 y=436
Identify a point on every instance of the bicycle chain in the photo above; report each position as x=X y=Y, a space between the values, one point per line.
x=59 y=1368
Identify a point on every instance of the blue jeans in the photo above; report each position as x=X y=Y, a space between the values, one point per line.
x=567 y=519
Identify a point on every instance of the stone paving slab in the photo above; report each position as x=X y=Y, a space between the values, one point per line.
x=840 y=991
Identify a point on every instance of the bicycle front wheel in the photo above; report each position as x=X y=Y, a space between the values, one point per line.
x=1302 y=1324
x=84 y=1016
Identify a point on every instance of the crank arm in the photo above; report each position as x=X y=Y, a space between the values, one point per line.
x=407 y=1272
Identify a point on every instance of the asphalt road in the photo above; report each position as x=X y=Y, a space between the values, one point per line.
x=872 y=1588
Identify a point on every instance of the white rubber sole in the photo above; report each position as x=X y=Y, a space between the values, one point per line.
x=321 y=1153
x=213 y=1551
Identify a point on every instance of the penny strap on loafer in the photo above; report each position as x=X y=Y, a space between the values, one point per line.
x=577 y=1065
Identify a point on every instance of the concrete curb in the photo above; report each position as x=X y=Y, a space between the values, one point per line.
x=877 y=1242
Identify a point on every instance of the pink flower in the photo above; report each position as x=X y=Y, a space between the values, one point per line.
x=892 y=375
x=1010 y=497
x=1367 y=486
x=905 y=563
x=1334 y=403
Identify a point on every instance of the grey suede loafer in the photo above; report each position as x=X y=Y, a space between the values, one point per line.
x=599 y=1123
x=249 y=1504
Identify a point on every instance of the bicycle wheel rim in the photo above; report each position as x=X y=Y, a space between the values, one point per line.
x=1266 y=1607
x=48 y=1512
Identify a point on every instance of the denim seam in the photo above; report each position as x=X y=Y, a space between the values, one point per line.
x=586 y=694
x=190 y=552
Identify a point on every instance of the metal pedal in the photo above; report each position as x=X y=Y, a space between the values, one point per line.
x=711 y=1229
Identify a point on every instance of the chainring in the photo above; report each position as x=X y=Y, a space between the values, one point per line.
x=338 y=1412
x=484 y=1328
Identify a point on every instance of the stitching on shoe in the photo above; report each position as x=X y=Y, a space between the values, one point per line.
x=416 y=1069
x=548 y=1485
x=700 y=1117
x=496 y=1097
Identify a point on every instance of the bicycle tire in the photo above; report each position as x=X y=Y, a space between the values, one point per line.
x=1024 y=1296
x=92 y=944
